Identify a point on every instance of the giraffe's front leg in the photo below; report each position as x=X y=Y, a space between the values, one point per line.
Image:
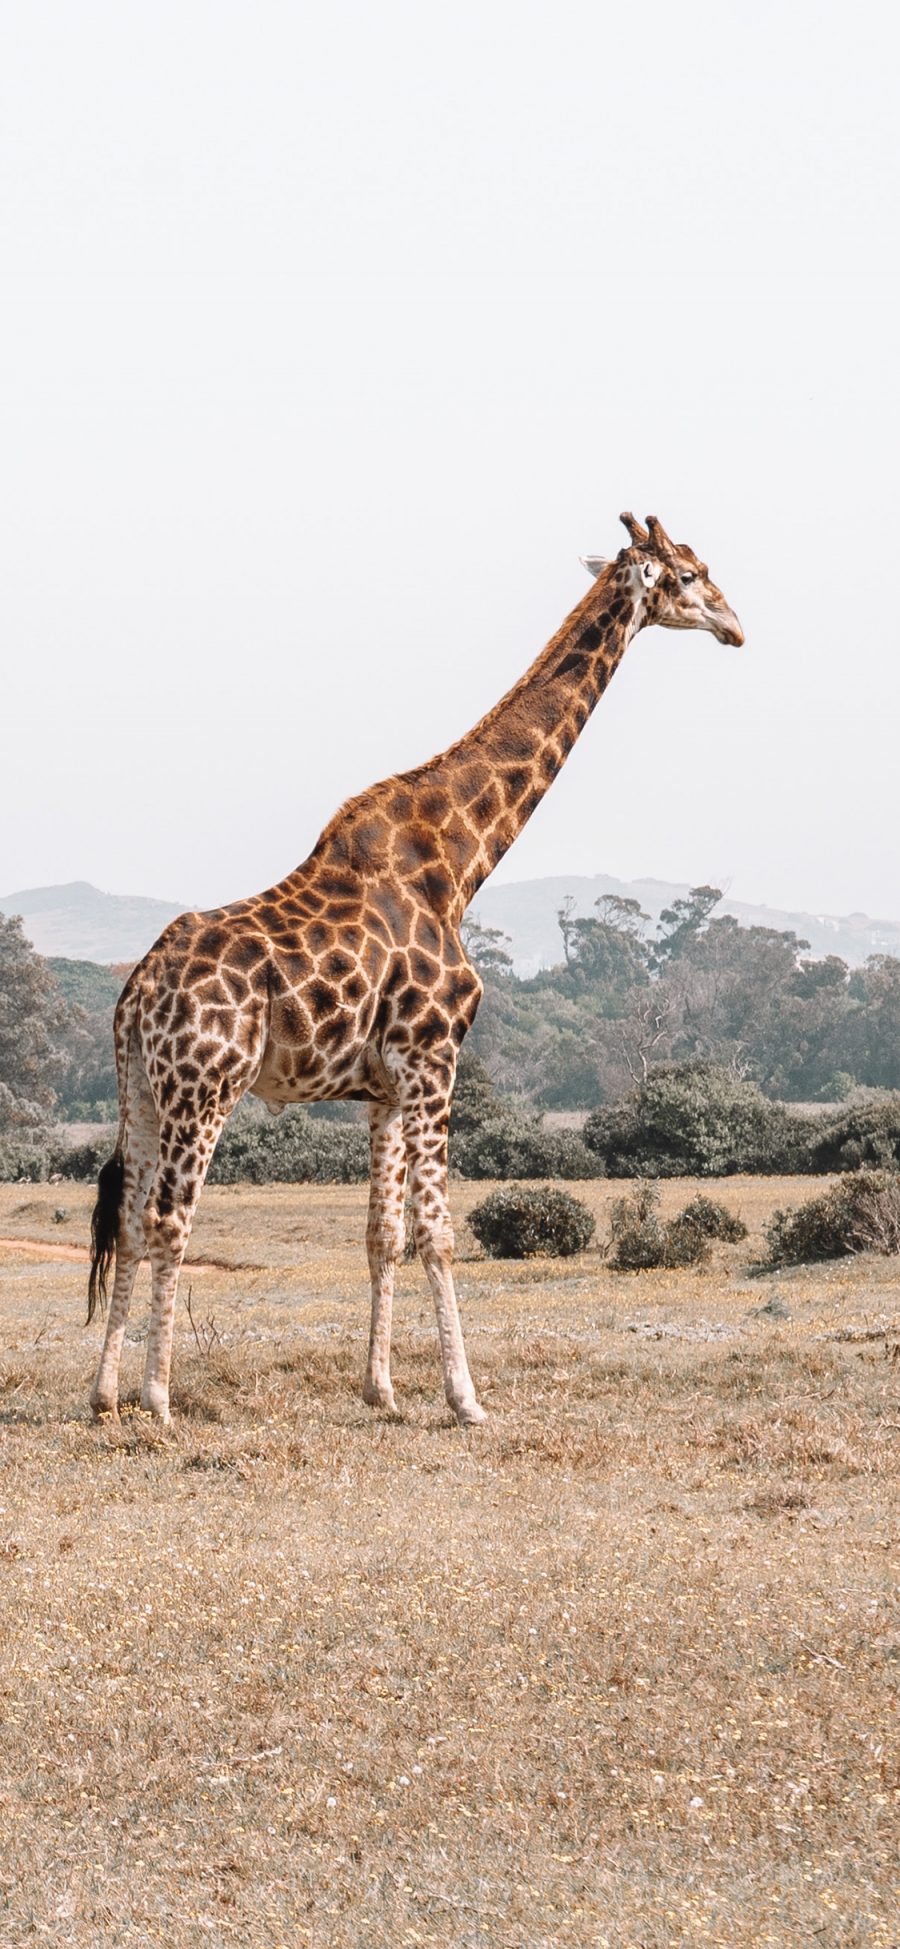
x=385 y=1238
x=426 y=1118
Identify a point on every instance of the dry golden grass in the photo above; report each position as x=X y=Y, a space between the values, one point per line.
x=619 y=1669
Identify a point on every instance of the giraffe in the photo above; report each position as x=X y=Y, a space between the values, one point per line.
x=349 y=979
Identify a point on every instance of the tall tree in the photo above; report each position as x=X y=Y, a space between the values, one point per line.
x=874 y=1040
x=608 y=953
x=484 y=947
x=32 y=1016
x=680 y=924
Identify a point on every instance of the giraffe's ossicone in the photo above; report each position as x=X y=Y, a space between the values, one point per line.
x=349 y=979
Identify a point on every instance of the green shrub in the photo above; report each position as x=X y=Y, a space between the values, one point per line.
x=81 y=1161
x=640 y=1241
x=490 y=1138
x=684 y=1242
x=696 y=1119
x=333 y=1109
x=516 y=1147
x=23 y=1157
x=836 y=1087
x=87 y=1109
x=294 y=1150
x=520 y=1221
x=637 y=1233
x=476 y=1100
x=860 y=1214
x=713 y=1219
x=868 y=1134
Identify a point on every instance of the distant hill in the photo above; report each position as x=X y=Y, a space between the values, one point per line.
x=77 y=922
x=80 y=923
x=526 y=910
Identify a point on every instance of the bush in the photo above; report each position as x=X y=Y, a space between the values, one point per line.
x=81 y=1161
x=696 y=1119
x=516 y=1147
x=23 y=1157
x=684 y=1243
x=334 y=1109
x=713 y=1219
x=639 y=1241
x=861 y=1214
x=520 y=1221
x=868 y=1134
x=475 y=1098
x=489 y=1138
x=637 y=1234
x=87 y=1109
x=294 y=1150
x=837 y=1087
x=253 y=1150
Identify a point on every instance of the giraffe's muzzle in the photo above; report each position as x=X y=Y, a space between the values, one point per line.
x=726 y=628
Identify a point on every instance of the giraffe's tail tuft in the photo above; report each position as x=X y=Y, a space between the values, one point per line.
x=104 y=1227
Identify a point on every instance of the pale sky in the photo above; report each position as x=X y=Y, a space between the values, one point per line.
x=331 y=337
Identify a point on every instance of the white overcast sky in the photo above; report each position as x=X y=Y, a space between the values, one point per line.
x=331 y=337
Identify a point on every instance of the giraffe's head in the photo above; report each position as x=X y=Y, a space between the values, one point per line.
x=676 y=586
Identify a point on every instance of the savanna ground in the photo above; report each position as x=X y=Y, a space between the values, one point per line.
x=619 y=1669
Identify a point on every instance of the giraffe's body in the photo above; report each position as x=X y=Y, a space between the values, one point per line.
x=349 y=979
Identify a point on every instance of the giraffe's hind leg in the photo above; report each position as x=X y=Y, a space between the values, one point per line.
x=385 y=1238
x=140 y=1144
x=168 y=1216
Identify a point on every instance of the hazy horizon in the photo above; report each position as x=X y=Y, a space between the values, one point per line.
x=331 y=342
x=728 y=897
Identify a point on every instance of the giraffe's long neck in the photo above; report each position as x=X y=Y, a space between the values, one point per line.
x=444 y=826
x=479 y=793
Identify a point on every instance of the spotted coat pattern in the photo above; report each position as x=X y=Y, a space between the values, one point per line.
x=349 y=979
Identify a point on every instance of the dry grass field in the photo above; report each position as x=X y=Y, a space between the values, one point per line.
x=618 y=1670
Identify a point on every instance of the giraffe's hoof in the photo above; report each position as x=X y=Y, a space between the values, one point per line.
x=104 y=1410
x=157 y=1406
x=376 y=1396
x=471 y=1415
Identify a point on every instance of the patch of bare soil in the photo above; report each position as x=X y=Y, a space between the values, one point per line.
x=44 y=1249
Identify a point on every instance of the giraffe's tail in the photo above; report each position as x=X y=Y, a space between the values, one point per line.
x=104 y=1229
x=111 y=1181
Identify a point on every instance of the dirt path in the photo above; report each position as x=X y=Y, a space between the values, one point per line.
x=44 y=1249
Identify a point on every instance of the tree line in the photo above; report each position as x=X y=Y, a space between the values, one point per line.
x=623 y=999
x=683 y=1043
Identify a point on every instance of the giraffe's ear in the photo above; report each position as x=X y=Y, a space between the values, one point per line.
x=595 y=564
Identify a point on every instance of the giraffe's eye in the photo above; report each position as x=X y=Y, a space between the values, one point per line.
x=687 y=578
